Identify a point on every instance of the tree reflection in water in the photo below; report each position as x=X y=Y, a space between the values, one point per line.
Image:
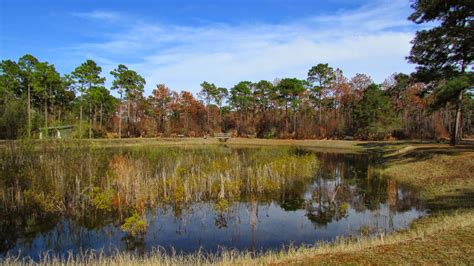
x=345 y=195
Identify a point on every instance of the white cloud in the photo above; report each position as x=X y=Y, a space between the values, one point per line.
x=99 y=15
x=372 y=40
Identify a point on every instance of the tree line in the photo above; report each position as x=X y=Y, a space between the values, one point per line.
x=433 y=102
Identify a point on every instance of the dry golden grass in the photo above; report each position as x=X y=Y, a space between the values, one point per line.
x=446 y=178
x=330 y=144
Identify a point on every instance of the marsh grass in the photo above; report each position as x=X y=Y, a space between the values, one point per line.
x=126 y=181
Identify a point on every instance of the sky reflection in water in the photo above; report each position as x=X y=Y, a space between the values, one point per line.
x=346 y=198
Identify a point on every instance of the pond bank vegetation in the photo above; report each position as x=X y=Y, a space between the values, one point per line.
x=448 y=191
x=76 y=181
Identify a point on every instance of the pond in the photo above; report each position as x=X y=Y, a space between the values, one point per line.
x=189 y=199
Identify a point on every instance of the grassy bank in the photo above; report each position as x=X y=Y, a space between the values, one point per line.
x=446 y=180
x=443 y=174
x=445 y=177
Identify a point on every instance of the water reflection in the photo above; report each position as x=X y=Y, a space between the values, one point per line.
x=346 y=197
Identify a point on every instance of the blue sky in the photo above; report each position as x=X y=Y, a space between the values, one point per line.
x=184 y=42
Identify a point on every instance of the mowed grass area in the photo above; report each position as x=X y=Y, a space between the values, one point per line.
x=443 y=174
x=131 y=142
x=322 y=145
x=445 y=177
x=347 y=145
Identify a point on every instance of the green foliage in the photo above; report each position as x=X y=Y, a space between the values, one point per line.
x=80 y=132
x=320 y=77
x=13 y=119
x=262 y=108
x=264 y=93
x=374 y=116
x=39 y=87
x=9 y=79
x=27 y=65
x=102 y=200
x=289 y=91
x=343 y=208
x=208 y=92
x=221 y=205
x=135 y=225
x=446 y=49
x=449 y=90
x=10 y=106
x=241 y=96
x=397 y=90
x=46 y=79
x=87 y=75
x=100 y=95
x=270 y=133
x=127 y=82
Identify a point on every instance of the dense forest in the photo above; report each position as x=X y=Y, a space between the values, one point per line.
x=434 y=102
x=326 y=105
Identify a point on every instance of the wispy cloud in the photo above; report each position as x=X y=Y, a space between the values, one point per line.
x=373 y=39
x=99 y=15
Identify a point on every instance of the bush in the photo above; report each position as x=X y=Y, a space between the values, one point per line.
x=13 y=119
x=135 y=225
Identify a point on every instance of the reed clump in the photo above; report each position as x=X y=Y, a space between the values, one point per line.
x=79 y=180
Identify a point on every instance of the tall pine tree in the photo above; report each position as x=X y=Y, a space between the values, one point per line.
x=445 y=53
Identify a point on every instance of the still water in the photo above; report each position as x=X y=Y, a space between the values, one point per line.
x=344 y=197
